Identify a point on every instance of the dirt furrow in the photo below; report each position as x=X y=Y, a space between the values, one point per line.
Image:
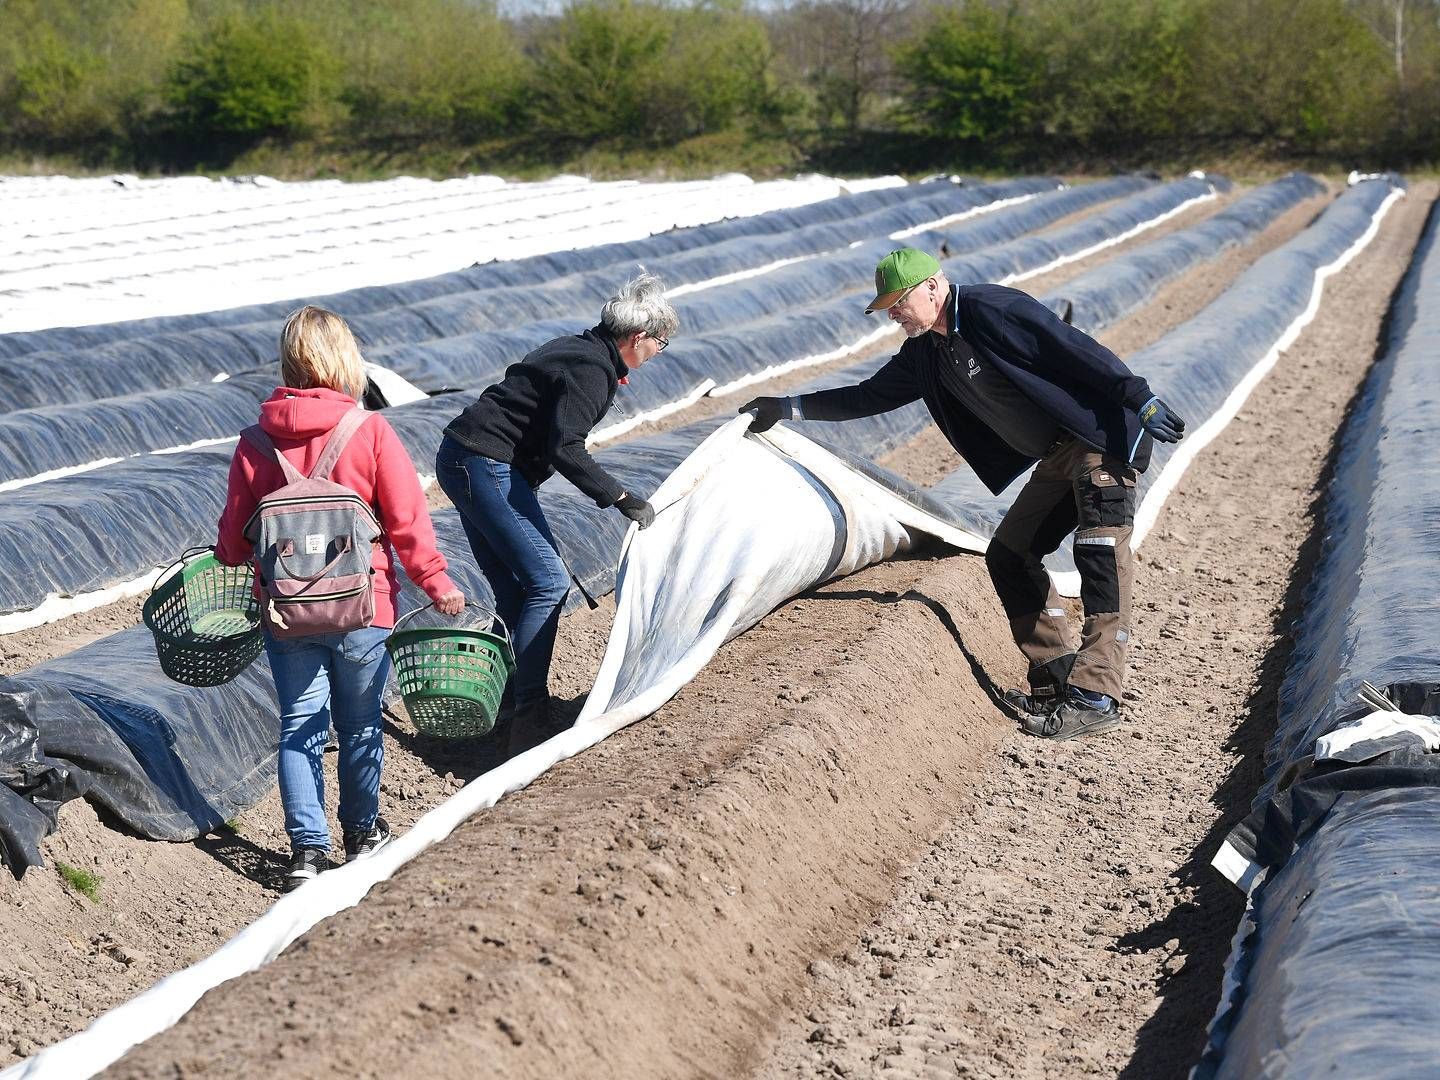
x=1068 y=922
x=164 y=906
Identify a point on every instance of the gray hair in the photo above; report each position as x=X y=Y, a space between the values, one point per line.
x=639 y=306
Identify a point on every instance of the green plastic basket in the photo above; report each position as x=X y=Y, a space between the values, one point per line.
x=451 y=678
x=205 y=620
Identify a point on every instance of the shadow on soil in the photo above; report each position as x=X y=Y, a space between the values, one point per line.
x=245 y=857
x=943 y=616
x=1172 y=1040
x=465 y=759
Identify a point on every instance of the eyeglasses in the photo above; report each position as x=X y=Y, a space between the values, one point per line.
x=904 y=296
x=664 y=342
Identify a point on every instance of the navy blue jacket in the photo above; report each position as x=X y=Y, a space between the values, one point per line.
x=1080 y=384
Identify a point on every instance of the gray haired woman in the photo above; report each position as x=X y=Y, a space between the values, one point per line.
x=530 y=425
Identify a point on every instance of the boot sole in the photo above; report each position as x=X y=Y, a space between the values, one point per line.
x=1109 y=723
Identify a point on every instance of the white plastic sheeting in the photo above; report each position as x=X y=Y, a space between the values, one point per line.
x=743 y=524
x=73 y=254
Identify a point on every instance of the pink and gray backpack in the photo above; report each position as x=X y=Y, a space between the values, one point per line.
x=313 y=541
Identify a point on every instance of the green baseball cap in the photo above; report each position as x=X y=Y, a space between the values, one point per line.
x=899 y=271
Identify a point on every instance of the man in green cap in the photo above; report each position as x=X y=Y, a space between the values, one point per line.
x=1011 y=385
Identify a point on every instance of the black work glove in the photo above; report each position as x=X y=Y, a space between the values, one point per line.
x=1161 y=422
x=768 y=411
x=637 y=510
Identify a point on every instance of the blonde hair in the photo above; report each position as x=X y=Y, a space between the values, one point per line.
x=317 y=349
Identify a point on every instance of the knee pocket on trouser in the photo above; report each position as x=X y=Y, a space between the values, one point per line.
x=1106 y=499
x=1020 y=583
x=1095 y=558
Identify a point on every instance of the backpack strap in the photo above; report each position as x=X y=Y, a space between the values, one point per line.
x=348 y=425
x=255 y=435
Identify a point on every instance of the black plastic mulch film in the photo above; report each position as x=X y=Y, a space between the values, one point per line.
x=457 y=343
x=1334 y=965
x=446 y=342
x=160 y=763
x=176 y=350
x=131 y=489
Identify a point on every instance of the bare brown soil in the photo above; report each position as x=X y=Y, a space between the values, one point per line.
x=649 y=908
x=1068 y=923
x=163 y=906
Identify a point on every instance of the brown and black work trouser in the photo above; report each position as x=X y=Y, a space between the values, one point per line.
x=1073 y=487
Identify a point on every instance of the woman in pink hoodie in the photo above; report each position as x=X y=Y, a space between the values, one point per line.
x=336 y=678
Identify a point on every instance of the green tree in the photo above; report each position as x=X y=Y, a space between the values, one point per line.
x=1115 y=71
x=835 y=48
x=971 y=72
x=431 y=68
x=637 y=69
x=595 y=74
x=252 y=73
x=83 y=71
x=718 y=73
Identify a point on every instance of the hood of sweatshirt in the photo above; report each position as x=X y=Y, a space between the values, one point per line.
x=303 y=414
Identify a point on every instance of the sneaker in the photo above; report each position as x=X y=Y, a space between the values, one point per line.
x=1027 y=706
x=306 y=863
x=1075 y=717
x=362 y=842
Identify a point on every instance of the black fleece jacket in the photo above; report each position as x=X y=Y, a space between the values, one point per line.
x=1080 y=384
x=537 y=417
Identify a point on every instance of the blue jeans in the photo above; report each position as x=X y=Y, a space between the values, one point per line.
x=323 y=679
x=517 y=553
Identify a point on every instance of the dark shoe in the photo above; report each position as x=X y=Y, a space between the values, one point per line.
x=1075 y=717
x=306 y=863
x=362 y=842
x=1029 y=707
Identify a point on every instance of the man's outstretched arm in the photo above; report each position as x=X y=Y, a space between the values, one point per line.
x=889 y=388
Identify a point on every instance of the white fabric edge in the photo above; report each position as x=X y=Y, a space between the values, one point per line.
x=1189 y=448
x=796 y=446
x=115 y=1032
x=1066 y=582
x=100 y=463
x=614 y=431
x=1377 y=725
x=803 y=362
x=1109 y=242
x=56 y=474
x=397 y=389
x=964 y=215
x=742 y=275
x=1235 y=868
x=1230 y=982
x=55 y=606
x=738 y=275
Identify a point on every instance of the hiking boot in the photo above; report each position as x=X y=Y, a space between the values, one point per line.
x=1075 y=717
x=362 y=842
x=306 y=863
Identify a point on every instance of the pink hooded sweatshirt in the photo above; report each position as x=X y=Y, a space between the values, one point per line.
x=374 y=465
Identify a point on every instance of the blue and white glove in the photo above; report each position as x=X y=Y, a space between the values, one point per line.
x=1161 y=421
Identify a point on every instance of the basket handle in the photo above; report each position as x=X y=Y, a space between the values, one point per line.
x=495 y=615
x=164 y=574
